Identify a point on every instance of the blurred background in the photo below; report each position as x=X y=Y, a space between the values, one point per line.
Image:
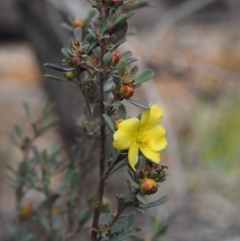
x=194 y=48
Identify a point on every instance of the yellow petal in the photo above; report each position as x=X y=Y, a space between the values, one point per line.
x=133 y=155
x=153 y=156
x=126 y=133
x=151 y=117
x=156 y=136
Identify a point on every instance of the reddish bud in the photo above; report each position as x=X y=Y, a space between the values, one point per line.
x=144 y=172
x=76 y=60
x=75 y=44
x=117 y=121
x=115 y=59
x=77 y=22
x=116 y=3
x=158 y=170
x=26 y=211
x=126 y=91
x=148 y=186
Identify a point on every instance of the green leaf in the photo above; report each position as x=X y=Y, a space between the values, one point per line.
x=156 y=203
x=52 y=77
x=145 y=76
x=121 y=66
x=116 y=79
x=129 y=186
x=120 y=32
x=66 y=52
x=47 y=112
x=130 y=14
x=107 y=58
x=140 y=210
x=116 y=103
x=78 y=34
x=122 y=111
x=88 y=39
x=28 y=112
x=120 y=165
x=134 y=70
x=138 y=103
x=124 y=235
x=57 y=67
x=89 y=17
x=44 y=222
x=120 y=200
x=134 y=184
x=120 y=20
x=105 y=26
x=126 y=55
x=18 y=131
x=140 y=198
x=129 y=61
x=109 y=123
x=130 y=219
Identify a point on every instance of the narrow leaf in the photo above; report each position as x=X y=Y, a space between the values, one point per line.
x=122 y=111
x=126 y=55
x=107 y=58
x=116 y=79
x=66 y=52
x=57 y=67
x=138 y=103
x=121 y=66
x=156 y=203
x=123 y=236
x=130 y=14
x=145 y=76
x=52 y=77
x=134 y=70
x=105 y=26
x=120 y=19
x=27 y=110
x=109 y=123
x=140 y=198
x=78 y=34
x=116 y=103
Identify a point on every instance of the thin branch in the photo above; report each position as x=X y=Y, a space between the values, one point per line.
x=102 y=152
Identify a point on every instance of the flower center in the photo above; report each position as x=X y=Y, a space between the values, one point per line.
x=143 y=139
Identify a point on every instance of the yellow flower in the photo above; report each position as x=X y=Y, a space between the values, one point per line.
x=144 y=135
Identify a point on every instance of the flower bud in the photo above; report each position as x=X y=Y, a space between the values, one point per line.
x=126 y=91
x=76 y=60
x=105 y=204
x=75 y=44
x=77 y=22
x=148 y=186
x=70 y=75
x=117 y=121
x=26 y=210
x=158 y=170
x=115 y=59
x=144 y=172
x=116 y=3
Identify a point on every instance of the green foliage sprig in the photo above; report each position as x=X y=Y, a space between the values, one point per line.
x=105 y=77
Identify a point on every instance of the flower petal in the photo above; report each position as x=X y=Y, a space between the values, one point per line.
x=153 y=156
x=156 y=136
x=126 y=133
x=133 y=155
x=151 y=117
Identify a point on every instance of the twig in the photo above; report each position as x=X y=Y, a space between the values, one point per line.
x=102 y=153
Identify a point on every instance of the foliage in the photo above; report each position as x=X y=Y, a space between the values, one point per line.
x=105 y=77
